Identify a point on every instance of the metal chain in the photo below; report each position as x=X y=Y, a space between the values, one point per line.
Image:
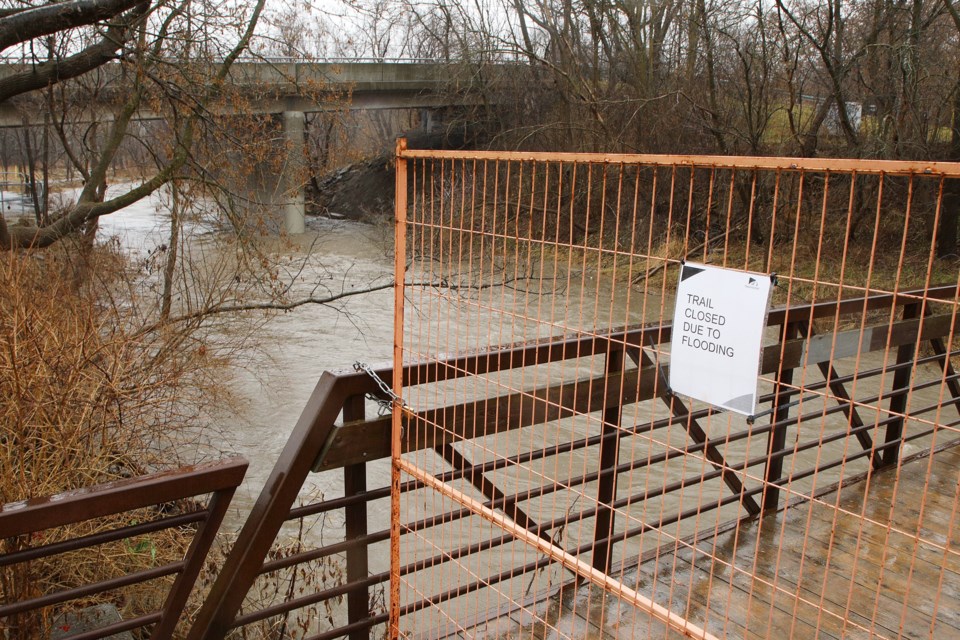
x=394 y=399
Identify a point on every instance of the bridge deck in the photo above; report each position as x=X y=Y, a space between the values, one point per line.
x=833 y=561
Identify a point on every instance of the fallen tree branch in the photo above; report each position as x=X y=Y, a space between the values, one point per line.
x=660 y=267
x=325 y=301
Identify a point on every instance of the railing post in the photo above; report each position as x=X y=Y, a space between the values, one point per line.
x=193 y=563
x=242 y=565
x=777 y=437
x=899 y=393
x=355 y=482
x=396 y=421
x=607 y=482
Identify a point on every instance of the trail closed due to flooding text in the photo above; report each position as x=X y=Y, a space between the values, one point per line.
x=717 y=335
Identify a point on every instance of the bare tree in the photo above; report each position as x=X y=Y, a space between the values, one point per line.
x=168 y=59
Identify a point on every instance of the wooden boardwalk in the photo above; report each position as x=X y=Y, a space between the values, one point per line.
x=812 y=571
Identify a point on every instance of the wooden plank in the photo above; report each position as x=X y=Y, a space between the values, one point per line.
x=812 y=531
x=763 y=608
x=714 y=586
x=744 y=558
x=891 y=585
x=799 y=564
x=708 y=604
x=779 y=561
x=660 y=583
x=689 y=582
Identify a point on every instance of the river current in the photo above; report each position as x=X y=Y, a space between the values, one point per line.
x=274 y=379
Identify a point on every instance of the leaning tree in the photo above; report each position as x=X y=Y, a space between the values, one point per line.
x=115 y=77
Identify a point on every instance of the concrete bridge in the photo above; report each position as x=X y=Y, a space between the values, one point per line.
x=370 y=85
x=291 y=88
x=282 y=85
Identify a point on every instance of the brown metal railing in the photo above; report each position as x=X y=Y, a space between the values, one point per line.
x=319 y=442
x=21 y=521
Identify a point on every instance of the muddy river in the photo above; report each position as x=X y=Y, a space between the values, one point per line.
x=274 y=379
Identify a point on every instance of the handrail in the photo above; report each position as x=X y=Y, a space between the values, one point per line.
x=86 y=503
x=20 y=519
x=841 y=165
x=365 y=441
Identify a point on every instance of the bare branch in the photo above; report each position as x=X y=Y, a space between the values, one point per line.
x=86 y=208
x=45 y=20
x=93 y=56
x=328 y=300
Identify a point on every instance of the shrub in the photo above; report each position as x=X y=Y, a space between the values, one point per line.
x=92 y=389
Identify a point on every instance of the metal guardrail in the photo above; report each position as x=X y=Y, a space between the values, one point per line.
x=19 y=521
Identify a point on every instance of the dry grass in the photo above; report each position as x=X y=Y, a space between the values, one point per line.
x=88 y=396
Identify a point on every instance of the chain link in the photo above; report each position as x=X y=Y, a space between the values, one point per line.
x=385 y=405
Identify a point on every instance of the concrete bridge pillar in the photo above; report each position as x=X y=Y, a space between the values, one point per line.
x=429 y=120
x=295 y=173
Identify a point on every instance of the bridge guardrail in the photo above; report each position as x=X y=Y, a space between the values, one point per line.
x=22 y=522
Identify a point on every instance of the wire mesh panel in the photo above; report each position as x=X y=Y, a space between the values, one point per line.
x=548 y=483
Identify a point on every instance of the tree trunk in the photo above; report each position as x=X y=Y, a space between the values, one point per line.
x=44 y=218
x=172 y=247
x=947 y=228
x=31 y=172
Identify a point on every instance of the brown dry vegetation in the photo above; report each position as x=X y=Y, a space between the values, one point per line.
x=88 y=396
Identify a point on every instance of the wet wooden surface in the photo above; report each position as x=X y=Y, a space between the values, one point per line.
x=885 y=564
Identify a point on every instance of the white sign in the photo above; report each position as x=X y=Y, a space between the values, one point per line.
x=717 y=333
